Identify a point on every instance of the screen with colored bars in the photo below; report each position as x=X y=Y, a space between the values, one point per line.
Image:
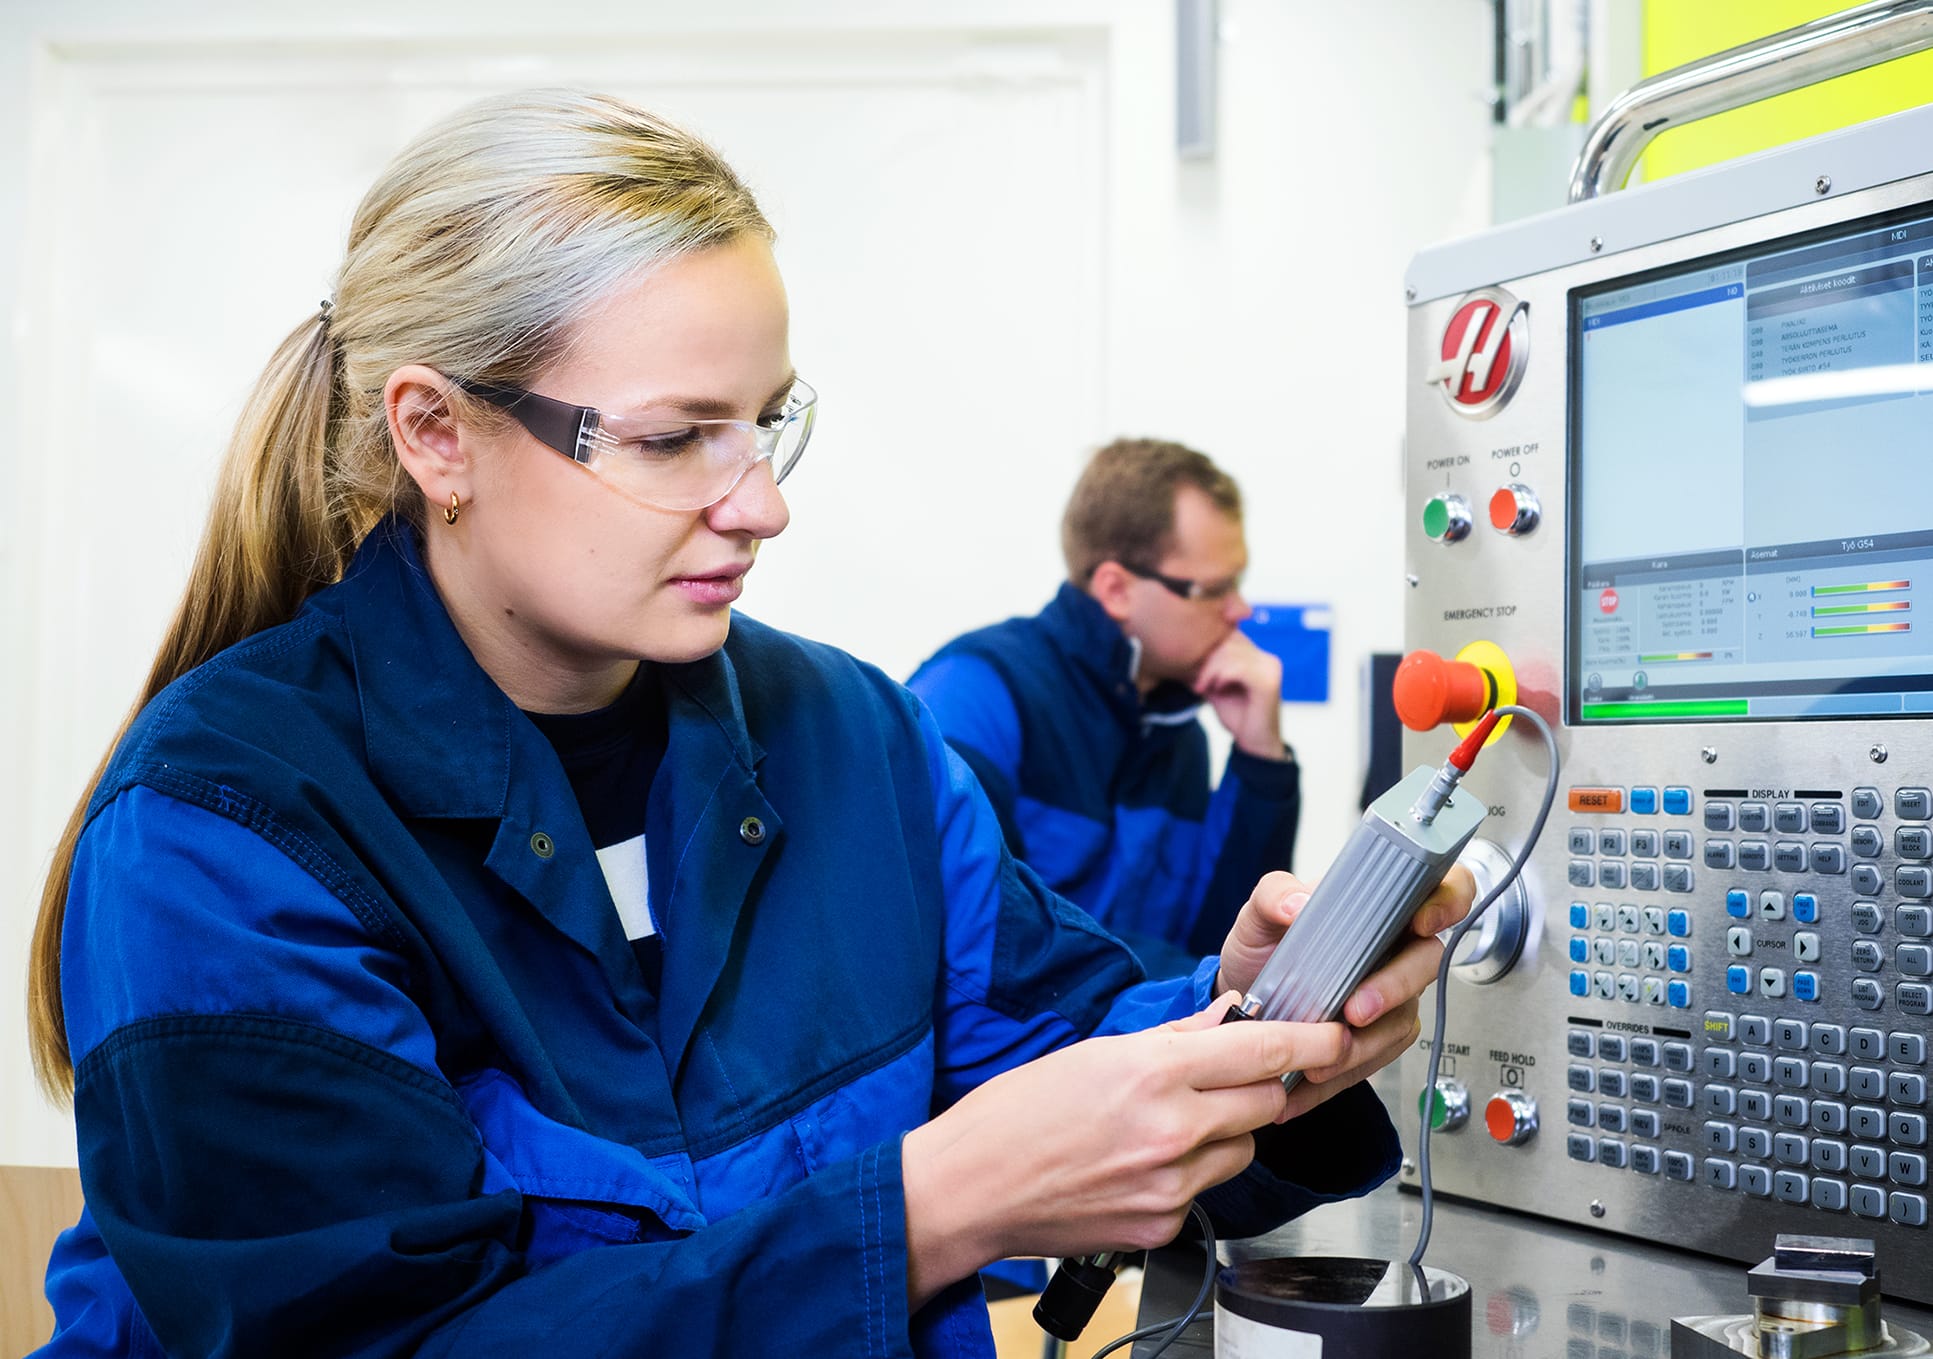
x=1751 y=483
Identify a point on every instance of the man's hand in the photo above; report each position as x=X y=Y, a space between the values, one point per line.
x=1243 y=684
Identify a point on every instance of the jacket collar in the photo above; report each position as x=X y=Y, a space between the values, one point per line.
x=1095 y=645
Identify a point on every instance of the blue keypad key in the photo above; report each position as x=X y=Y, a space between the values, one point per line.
x=1580 y=950
x=1678 y=958
x=1805 y=908
x=1580 y=916
x=1805 y=985
x=1678 y=923
x=1738 y=980
x=1677 y=801
x=1580 y=983
x=1678 y=994
x=1738 y=902
x=1644 y=801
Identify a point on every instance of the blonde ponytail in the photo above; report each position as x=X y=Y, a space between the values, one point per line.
x=475 y=252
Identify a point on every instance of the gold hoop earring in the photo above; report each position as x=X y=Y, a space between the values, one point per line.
x=456 y=508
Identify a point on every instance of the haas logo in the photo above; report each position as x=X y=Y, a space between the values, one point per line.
x=1481 y=357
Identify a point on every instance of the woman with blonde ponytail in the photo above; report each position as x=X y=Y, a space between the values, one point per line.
x=478 y=941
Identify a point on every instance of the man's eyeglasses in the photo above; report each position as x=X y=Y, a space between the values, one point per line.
x=1209 y=592
x=672 y=464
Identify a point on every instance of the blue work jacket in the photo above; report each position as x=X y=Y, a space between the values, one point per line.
x=1104 y=794
x=365 y=1065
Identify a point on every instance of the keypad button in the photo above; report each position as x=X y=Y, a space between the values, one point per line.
x=1580 y=983
x=1789 y=818
x=1583 y=873
x=1867 y=955
x=1644 y=801
x=1828 y=818
x=1828 y=1116
x=1644 y=1088
x=1805 y=908
x=1866 y=1122
x=1678 y=958
x=1755 y=1180
x=1790 y=1035
x=1909 y=1210
x=1630 y=920
x=1829 y=1040
x=1582 y=1079
x=1914 y=998
x=1867 y=841
x=1678 y=1095
x=1610 y=841
x=1866 y=803
x=1738 y=980
x=1610 y=1084
x=1580 y=916
x=1677 y=802
x=1644 y=877
x=1913 y=880
x=1913 y=960
x=1914 y=922
x=1580 y=1113
x=1611 y=1152
x=1789 y=856
x=1644 y=1160
x=1755 y=817
x=1603 y=985
x=1771 y=905
x=1755 y=1105
x=1805 y=946
x=1738 y=942
x=1719 y=854
x=1827 y=858
x=1828 y=1195
x=1909 y=1130
x=1868 y=1162
x=1580 y=1148
x=1719 y=1063
x=1805 y=986
x=1678 y=924
x=1791 y=1072
x=1611 y=1047
x=1627 y=986
x=1719 y=1136
x=1913 y=842
x=1866 y=993
x=1868 y=1201
x=1719 y=1026
x=1790 y=1149
x=1677 y=1165
x=1791 y=1186
x=1628 y=954
x=1580 y=949
x=1829 y=1078
x=1866 y=880
x=1791 y=1111
x=1755 y=1067
x=1604 y=949
x=1720 y=1173
x=1906 y=1087
x=1771 y=982
x=1644 y=1123
x=1913 y=804
x=1738 y=903
x=1583 y=840
x=1610 y=875
x=1678 y=878
x=1678 y=1057
x=1719 y=816
x=1720 y=1100
x=1644 y=1052
x=1906 y=1049
x=1755 y=1031
x=1868 y=1083
x=1610 y=1117
x=1907 y=1168
x=1754 y=856
x=1678 y=995
x=1644 y=844
x=1677 y=844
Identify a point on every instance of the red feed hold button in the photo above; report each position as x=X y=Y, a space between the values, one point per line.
x=1430 y=691
x=1511 y=1117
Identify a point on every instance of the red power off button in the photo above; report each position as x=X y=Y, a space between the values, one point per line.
x=1514 y=510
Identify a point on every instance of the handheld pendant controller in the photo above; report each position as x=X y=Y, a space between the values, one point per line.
x=1398 y=853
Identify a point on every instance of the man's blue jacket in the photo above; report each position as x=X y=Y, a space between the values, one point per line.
x=1103 y=794
x=365 y=1065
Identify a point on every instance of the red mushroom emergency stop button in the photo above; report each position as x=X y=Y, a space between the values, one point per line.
x=1430 y=691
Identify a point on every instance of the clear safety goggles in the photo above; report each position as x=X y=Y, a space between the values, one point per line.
x=670 y=463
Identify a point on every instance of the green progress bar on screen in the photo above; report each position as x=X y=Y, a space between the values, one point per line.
x=1866 y=588
x=1684 y=707
x=1881 y=606
x=1667 y=657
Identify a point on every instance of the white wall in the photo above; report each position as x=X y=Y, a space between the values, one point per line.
x=996 y=261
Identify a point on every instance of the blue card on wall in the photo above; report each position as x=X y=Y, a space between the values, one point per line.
x=1297 y=635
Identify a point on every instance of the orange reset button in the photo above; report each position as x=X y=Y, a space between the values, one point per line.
x=1597 y=799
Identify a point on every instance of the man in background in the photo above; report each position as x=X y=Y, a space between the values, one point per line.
x=1081 y=721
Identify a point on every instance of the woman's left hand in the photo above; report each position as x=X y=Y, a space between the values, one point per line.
x=1381 y=1014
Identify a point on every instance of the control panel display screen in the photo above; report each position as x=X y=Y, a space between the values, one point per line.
x=1752 y=483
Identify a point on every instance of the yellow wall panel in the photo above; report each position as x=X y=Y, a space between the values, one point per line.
x=1680 y=31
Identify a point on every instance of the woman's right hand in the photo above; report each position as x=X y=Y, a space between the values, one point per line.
x=1099 y=1146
